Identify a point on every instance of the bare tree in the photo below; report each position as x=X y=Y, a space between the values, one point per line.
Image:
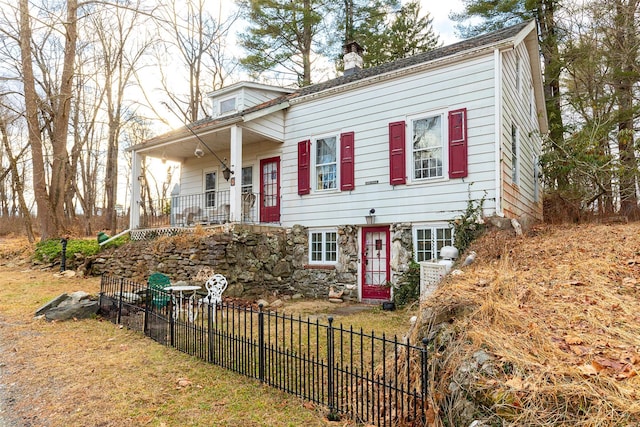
x=16 y=177
x=121 y=47
x=198 y=39
x=49 y=200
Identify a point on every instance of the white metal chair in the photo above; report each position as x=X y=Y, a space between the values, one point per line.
x=215 y=286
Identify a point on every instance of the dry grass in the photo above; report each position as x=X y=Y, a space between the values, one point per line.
x=93 y=373
x=560 y=311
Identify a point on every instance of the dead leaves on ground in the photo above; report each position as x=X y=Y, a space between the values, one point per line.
x=602 y=358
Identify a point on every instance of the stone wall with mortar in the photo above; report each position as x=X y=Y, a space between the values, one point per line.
x=257 y=261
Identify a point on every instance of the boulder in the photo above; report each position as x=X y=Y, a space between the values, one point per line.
x=81 y=310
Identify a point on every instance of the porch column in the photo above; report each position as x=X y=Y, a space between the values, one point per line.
x=235 y=189
x=134 y=208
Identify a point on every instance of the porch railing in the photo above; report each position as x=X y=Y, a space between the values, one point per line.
x=196 y=209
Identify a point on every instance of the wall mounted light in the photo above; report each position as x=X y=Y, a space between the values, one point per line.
x=371 y=218
x=226 y=172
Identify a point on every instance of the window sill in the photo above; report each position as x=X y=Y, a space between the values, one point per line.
x=319 y=267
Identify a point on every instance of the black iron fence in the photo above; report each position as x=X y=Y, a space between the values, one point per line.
x=373 y=379
x=207 y=208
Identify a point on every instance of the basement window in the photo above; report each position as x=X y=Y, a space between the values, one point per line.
x=323 y=247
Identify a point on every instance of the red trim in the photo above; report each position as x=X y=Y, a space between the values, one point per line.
x=347 y=178
x=397 y=161
x=458 y=164
x=304 y=167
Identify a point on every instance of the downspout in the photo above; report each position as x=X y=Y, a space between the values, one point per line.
x=497 y=85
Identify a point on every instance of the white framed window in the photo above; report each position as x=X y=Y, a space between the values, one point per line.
x=247 y=179
x=515 y=153
x=326 y=156
x=210 y=182
x=427 y=147
x=323 y=246
x=428 y=239
x=227 y=105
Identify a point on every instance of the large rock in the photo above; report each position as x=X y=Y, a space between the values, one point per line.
x=81 y=310
x=78 y=305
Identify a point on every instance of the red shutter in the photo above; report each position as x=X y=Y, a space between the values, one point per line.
x=347 y=181
x=304 y=167
x=397 y=161
x=458 y=143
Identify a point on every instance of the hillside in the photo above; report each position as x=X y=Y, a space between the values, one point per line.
x=542 y=329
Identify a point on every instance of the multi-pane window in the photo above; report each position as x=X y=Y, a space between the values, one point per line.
x=515 y=147
x=210 y=189
x=326 y=163
x=427 y=150
x=247 y=179
x=429 y=240
x=323 y=246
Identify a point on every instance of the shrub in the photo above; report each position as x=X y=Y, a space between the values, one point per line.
x=408 y=289
x=51 y=250
x=469 y=226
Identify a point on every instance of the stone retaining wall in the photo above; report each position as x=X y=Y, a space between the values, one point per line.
x=257 y=261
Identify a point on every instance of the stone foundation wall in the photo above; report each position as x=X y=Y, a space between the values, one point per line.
x=257 y=261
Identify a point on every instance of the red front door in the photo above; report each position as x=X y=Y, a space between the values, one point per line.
x=375 y=263
x=270 y=190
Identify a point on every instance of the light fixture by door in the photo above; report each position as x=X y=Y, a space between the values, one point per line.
x=371 y=218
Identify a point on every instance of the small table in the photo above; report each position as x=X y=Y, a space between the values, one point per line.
x=179 y=299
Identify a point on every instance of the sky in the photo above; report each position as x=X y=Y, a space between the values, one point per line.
x=440 y=10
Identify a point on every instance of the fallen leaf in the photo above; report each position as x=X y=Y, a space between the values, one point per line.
x=183 y=382
x=573 y=340
x=588 y=369
x=515 y=383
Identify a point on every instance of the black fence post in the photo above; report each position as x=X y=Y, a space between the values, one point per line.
x=261 y=346
x=424 y=367
x=172 y=323
x=211 y=323
x=120 y=300
x=331 y=393
x=147 y=302
x=63 y=254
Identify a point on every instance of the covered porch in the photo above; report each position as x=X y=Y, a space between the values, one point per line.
x=229 y=173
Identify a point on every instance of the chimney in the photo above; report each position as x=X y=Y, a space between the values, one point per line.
x=352 y=58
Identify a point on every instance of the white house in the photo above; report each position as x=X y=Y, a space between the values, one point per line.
x=408 y=142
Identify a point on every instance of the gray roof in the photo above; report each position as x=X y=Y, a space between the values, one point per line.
x=472 y=43
x=442 y=52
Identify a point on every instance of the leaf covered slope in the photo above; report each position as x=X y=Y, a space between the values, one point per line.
x=542 y=329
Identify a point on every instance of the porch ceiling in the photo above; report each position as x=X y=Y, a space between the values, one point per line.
x=182 y=147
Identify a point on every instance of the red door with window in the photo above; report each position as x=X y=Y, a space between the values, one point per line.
x=375 y=264
x=270 y=190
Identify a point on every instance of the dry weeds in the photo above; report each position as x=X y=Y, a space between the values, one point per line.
x=559 y=309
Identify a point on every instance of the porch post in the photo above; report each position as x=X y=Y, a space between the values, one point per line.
x=235 y=188
x=136 y=171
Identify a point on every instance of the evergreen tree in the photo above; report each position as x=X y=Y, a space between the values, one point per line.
x=496 y=14
x=411 y=33
x=282 y=36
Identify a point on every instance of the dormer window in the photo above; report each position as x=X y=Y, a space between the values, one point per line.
x=227 y=105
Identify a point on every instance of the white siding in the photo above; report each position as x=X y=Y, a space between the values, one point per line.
x=519 y=199
x=367 y=111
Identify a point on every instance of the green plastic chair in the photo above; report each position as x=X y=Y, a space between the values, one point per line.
x=157 y=282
